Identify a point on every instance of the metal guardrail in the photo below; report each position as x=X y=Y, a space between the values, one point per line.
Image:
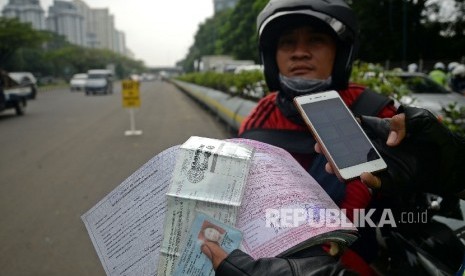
x=231 y=109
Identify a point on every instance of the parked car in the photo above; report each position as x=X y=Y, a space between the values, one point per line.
x=426 y=93
x=99 y=81
x=26 y=82
x=12 y=95
x=78 y=82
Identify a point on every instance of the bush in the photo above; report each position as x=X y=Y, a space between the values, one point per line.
x=251 y=85
x=247 y=84
x=373 y=77
x=454 y=118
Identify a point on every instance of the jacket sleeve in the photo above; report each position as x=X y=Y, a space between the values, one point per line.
x=423 y=127
x=429 y=159
x=239 y=263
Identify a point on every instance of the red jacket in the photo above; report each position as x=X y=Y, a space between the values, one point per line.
x=266 y=115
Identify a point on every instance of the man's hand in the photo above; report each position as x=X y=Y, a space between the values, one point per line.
x=214 y=252
x=396 y=135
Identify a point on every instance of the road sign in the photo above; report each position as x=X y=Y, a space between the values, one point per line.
x=131 y=98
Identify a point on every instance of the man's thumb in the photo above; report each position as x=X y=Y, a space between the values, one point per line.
x=206 y=250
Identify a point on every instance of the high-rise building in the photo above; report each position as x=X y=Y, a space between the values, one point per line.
x=120 y=42
x=85 y=11
x=103 y=26
x=75 y=20
x=64 y=19
x=27 y=11
x=220 y=5
x=99 y=29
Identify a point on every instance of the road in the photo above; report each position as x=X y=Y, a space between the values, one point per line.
x=68 y=152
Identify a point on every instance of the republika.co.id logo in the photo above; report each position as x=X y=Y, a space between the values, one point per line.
x=294 y=217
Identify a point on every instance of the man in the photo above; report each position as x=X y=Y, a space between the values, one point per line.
x=308 y=46
x=303 y=54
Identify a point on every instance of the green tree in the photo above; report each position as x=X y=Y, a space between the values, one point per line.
x=46 y=53
x=230 y=32
x=389 y=29
x=406 y=30
x=395 y=30
x=239 y=34
x=451 y=21
x=74 y=59
x=207 y=41
x=15 y=35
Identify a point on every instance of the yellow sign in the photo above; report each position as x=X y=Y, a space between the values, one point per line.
x=130 y=94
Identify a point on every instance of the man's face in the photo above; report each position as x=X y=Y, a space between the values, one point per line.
x=306 y=53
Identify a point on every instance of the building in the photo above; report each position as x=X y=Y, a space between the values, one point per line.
x=65 y=19
x=99 y=29
x=85 y=11
x=220 y=5
x=120 y=42
x=27 y=11
x=103 y=26
x=73 y=19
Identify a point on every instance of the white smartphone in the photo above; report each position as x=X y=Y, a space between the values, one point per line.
x=344 y=143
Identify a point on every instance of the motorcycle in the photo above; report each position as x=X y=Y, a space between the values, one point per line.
x=428 y=240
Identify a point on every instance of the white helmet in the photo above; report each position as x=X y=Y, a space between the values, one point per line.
x=452 y=65
x=412 y=67
x=459 y=71
x=439 y=65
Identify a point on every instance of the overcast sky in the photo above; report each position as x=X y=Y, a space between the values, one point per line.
x=159 y=32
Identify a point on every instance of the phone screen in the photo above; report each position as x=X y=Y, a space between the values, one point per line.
x=341 y=134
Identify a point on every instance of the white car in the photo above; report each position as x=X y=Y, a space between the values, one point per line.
x=78 y=82
x=99 y=81
x=25 y=81
x=426 y=93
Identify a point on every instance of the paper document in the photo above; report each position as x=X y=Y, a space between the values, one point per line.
x=126 y=227
x=211 y=170
x=277 y=182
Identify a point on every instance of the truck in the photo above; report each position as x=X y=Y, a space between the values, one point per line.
x=99 y=81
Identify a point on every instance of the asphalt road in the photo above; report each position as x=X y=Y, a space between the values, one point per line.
x=68 y=152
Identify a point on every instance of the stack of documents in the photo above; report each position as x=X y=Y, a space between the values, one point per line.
x=209 y=178
x=152 y=223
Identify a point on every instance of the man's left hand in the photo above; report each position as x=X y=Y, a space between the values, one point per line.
x=396 y=135
x=214 y=252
